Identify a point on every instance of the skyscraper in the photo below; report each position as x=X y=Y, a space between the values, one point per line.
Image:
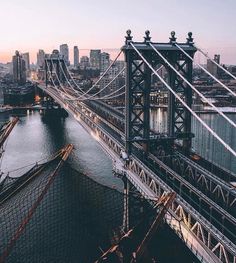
x=95 y=58
x=26 y=58
x=40 y=58
x=76 y=56
x=105 y=61
x=64 y=51
x=120 y=64
x=84 y=62
x=211 y=67
x=106 y=80
x=19 y=69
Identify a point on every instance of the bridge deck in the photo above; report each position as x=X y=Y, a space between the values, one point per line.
x=112 y=145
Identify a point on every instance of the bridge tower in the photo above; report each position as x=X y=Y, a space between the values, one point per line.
x=139 y=86
x=55 y=65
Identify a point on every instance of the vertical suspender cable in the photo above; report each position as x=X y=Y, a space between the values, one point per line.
x=75 y=99
x=184 y=103
x=90 y=97
x=104 y=73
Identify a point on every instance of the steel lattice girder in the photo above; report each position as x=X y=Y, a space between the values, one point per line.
x=199 y=228
x=138 y=91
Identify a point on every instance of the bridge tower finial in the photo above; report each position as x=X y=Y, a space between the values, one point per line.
x=128 y=37
x=172 y=38
x=147 y=38
x=138 y=57
x=190 y=38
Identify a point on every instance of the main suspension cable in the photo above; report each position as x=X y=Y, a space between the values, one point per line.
x=82 y=96
x=222 y=84
x=217 y=64
x=117 y=75
x=58 y=79
x=104 y=73
x=185 y=104
x=71 y=78
x=107 y=96
x=198 y=92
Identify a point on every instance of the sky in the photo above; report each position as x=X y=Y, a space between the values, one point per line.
x=28 y=25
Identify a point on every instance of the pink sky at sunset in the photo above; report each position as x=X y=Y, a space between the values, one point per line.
x=29 y=25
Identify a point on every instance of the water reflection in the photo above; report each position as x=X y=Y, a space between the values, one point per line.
x=204 y=143
x=36 y=137
x=158 y=120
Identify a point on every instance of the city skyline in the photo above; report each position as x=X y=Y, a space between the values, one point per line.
x=102 y=25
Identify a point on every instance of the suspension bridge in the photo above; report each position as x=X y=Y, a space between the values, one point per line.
x=153 y=164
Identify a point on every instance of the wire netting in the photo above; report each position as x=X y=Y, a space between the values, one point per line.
x=76 y=218
x=75 y=221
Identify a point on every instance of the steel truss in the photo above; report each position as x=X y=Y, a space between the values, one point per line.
x=219 y=190
x=197 y=223
x=203 y=219
x=210 y=185
x=192 y=220
x=138 y=88
x=199 y=230
x=214 y=213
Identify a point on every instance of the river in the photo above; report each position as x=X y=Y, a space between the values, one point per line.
x=36 y=137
